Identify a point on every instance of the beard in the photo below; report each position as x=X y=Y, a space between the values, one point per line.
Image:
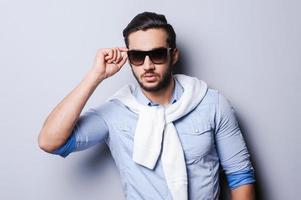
x=163 y=83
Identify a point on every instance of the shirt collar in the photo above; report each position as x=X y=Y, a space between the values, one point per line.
x=176 y=95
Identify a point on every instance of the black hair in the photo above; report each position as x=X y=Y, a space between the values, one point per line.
x=148 y=20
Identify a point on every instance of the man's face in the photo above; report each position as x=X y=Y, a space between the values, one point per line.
x=150 y=76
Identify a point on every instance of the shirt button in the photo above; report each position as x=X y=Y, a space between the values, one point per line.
x=196 y=130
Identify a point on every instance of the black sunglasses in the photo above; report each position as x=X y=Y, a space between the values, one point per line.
x=157 y=56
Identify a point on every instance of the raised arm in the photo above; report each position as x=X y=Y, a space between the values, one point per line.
x=60 y=122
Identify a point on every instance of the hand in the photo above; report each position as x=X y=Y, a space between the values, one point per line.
x=109 y=61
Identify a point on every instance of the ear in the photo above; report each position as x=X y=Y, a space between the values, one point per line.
x=175 y=56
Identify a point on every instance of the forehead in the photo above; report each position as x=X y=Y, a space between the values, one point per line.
x=148 y=39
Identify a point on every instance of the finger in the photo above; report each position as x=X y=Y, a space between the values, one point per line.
x=119 y=56
x=124 y=59
x=112 y=58
x=115 y=55
x=107 y=51
x=109 y=54
x=123 y=48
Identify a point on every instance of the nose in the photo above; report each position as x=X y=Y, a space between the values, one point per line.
x=148 y=64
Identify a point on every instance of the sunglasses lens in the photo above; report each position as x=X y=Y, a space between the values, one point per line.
x=136 y=57
x=159 y=56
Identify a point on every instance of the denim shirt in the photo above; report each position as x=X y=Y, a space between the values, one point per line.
x=210 y=136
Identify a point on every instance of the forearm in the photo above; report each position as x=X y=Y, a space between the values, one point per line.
x=60 y=122
x=244 y=192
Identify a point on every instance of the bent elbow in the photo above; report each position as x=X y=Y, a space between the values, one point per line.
x=46 y=144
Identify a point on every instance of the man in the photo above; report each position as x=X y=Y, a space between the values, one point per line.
x=169 y=136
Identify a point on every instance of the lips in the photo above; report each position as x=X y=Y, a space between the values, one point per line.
x=150 y=77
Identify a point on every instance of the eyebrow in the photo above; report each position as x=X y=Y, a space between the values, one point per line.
x=147 y=50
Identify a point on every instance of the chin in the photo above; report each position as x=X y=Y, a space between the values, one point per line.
x=153 y=86
x=150 y=87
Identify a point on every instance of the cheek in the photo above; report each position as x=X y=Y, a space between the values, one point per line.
x=163 y=69
x=137 y=71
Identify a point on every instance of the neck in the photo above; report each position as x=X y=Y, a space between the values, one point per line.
x=162 y=96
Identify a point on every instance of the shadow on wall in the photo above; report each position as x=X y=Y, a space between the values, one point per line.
x=185 y=64
x=179 y=68
x=258 y=185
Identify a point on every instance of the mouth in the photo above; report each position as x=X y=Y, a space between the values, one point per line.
x=150 y=77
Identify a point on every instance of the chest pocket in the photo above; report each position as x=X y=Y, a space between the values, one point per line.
x=197 y=140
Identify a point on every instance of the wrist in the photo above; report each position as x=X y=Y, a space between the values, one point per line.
x=93 y=78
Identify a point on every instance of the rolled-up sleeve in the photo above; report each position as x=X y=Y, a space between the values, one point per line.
x=231 y=147
x=89 y=130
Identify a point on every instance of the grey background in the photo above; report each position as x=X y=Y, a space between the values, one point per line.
x=249 y=50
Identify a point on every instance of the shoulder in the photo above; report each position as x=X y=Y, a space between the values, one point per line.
x=108 y=107
x=211 y=96
x=215 y=97
x=112 y=111
x=215 y=102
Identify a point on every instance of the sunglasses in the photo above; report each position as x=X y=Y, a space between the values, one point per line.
x=157 y=56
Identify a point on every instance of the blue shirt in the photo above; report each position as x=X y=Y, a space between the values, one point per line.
x=210 y=136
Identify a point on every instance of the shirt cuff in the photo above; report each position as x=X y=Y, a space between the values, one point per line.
x=240 y=178
x=67 y=148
